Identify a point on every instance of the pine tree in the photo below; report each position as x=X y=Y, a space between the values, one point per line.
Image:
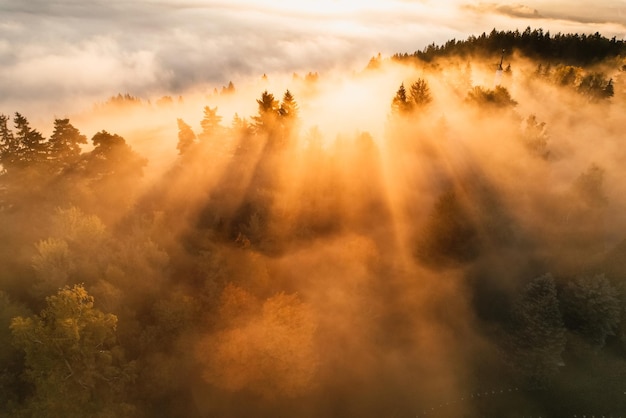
x=210 y=122
x=65 y=143
x=186 y=137
x=267 y=117
x=32 y=148
x=419 y=94
x=9 y=147
x=400 y=104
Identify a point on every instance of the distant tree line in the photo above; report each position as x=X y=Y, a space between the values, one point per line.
x=573 y=49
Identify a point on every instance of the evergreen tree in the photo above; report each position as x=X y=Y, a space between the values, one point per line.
x=186 y=137
x=65 y=143
x=266 y=120
x=9 y=147
x=419 y=94
x=400 y=103
x=288 y=107
x=32 y=148
x=538 y=337
x=288 y=112
x=210 y=122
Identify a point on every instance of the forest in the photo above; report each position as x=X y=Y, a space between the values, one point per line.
x=440 y=234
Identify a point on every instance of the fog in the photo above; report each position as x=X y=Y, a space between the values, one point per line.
x=351 y=254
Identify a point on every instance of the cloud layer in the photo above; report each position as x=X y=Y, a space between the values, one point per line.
x=57 y=55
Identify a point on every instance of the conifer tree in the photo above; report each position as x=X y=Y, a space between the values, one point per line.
x=65 y=142
x=186 y=137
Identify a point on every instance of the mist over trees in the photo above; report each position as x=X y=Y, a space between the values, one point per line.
x=469 y=260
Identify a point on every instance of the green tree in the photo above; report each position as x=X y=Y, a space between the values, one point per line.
x=186 y=137
x=591 y=308
x=537 y=339
x=73 y=360
x=65 y=143
x=11 y=359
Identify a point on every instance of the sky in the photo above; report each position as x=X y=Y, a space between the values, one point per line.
x=56 y=55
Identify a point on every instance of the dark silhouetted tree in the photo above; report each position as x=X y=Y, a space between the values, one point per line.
x=9 y=147
x=450 y=235
x=591 y=308
x=537 y=339
x=33 y=148
x=65 y=143
x=268 y=110
x=595 y=86
x=590 y=186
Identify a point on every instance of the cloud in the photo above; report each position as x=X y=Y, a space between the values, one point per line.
x=93 y=49
x=513 y=10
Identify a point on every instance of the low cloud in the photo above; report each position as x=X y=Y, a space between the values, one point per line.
x=513 y=10
x=95 y=49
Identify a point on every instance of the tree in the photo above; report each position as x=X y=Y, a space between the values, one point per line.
x=497 y=98
x=268 y=111
x=288 y=107
x=591 y=308
x=595 y=86
x=288 y=112
x=210 y=122
x=11 y=359
x=111 y=154
x=419 y=94
x=537 y=339
x=535 y=137
x=589 y=186
x=186 y=137
x=451 y=235
x=32 y=148
x=65 y=143
x=9 y=147
x=400 y=103
x=73 y=360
